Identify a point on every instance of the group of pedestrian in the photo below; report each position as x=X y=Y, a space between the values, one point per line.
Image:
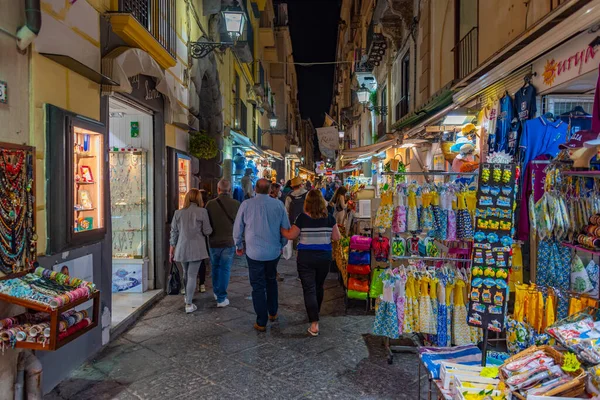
x=258 y=228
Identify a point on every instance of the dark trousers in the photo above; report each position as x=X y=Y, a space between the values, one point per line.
x=313 y=267
x=263 y=279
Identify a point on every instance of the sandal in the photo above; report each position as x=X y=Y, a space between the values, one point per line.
x=312 y=333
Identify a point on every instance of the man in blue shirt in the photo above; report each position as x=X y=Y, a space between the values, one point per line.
x=258 y=223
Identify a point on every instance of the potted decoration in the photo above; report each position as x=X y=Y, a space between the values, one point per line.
x=203 y=146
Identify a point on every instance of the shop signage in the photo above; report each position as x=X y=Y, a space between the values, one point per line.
x=144 y=91
x=569 y=61
x=328 y=140
x=329 y=171
x=320 y=167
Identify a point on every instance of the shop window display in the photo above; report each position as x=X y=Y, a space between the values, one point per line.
x=87 y=167
x=129 y=203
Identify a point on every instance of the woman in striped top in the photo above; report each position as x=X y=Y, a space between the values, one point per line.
x=316 y=229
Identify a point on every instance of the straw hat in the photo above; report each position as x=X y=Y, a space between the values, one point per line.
x=297 y=181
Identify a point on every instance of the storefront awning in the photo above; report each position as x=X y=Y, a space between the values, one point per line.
x=306 y=171
x=274 y=154
x=126 y=62
x=244 y=141
x=364 y=153
x=438 y=102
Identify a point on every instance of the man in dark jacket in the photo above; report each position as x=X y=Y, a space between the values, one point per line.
x=222 y=212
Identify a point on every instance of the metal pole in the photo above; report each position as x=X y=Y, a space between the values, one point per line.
x=484 y=350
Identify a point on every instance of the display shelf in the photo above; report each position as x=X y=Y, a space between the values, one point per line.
x=84 y=209
x=84 y=155
x=584 y=174
x=581 y=248
x=416 y=258
x=53 y=342
x=130 y=230
x=84 y=183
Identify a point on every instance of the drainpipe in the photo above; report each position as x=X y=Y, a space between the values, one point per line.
x=28 y=32
x=20 y=382
x=33 y=377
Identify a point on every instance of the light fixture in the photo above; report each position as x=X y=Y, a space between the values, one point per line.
x=273 y=121
x=302 y=159
x=363 y=95
x=341 y=133
x=460 y=116
x=235 y=21
x=299 y=149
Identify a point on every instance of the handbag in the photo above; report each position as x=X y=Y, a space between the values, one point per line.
x=376 y=288
x=225 y=211
x=359 y=258
x=174 y=281
x=359 y=269
x=358 y=285
x=353 y=294
x=361 y=243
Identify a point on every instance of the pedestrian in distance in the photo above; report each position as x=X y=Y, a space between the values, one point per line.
x=275 y=191
x=258 y=224
x=316 y=229
x=222 y=212
x=338 y=202
x=287 y=189
x=189 y=229
x=294 y=203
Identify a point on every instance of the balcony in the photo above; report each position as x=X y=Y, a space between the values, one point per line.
x=148 y=25
x=466 y=54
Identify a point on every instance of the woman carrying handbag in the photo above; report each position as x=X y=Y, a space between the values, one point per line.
x=189 y=230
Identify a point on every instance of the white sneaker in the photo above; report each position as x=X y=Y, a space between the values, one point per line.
x=202 y=288
x=224 y=303
x=182 y=291
x=190 y=308
x=215 y=296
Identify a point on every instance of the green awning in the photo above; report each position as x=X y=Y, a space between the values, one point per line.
x=437 y=102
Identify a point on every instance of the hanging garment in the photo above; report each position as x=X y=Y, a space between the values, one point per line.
x=401 y=300
x=399 y=219
x=425 y=309
x=437 y=216
x=449 y=312
x=412 y=218
x=411 y=320
x=434 y=306
x=553 y=269
x=464 y=229
x=427 y=212
x=461 y=334
x=386 y=318
x=385 y=211
x=442 y=338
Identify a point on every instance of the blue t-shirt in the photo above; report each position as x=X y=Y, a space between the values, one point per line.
x=503 y=125
x=541 y=137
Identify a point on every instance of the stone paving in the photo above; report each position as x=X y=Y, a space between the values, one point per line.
x=216 y=354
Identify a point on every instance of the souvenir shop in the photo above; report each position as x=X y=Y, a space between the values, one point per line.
x=487 y=258
x=135 y=120
x=250 y=163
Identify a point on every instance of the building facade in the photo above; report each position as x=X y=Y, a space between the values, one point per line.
x=145 y=115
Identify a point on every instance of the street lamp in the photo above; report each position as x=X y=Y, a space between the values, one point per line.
x=235 y=20
x=341 y=133
x=363 y=95
x=299 y=149
x=273 y=121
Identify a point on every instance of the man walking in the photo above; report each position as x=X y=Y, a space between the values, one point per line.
x=222 y=212
x=258 y=222
x=294 y=202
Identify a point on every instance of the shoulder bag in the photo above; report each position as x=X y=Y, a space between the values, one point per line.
x=225 y=211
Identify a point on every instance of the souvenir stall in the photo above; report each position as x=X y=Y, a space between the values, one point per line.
x=51 y=320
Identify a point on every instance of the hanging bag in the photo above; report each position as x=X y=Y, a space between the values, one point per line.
x=396 y=163
x=174 y=281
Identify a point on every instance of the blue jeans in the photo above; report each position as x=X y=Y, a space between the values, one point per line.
x=263 y=278
x=221 y=259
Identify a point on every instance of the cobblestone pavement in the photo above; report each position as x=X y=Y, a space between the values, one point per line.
x=216 y=354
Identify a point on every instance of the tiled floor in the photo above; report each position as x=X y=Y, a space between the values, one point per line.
x=216 y=354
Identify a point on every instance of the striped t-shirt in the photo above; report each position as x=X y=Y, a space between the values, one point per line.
x=315 y=234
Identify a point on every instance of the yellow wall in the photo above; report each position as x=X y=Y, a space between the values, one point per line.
x=51 y=83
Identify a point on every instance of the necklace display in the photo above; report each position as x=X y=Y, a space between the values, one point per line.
x=128 y=188
x=17 y=229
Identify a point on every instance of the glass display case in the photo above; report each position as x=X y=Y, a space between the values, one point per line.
x=183 y=176
x=129 y=204
x=75 y=198
x=88 y=188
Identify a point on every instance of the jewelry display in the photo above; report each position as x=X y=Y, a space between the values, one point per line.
x=128 y=183
x=18 y=239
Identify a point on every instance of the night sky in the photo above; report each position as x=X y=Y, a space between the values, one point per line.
x=314 y=26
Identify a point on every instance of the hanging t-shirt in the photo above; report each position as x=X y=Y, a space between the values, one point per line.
x=541 y=136
x=525 y=107
x=503 y=124
x=487 y=120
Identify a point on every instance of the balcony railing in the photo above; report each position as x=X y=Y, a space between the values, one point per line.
x=466 y=54
x=157 y=16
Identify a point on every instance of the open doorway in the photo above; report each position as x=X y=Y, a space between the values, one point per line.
x=132 y=195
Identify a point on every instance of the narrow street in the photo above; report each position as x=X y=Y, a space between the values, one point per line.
x=216 y=354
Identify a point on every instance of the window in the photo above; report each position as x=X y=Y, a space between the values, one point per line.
x=254 y=125
x=383 y=101
x=243 y=118
x=402 y=105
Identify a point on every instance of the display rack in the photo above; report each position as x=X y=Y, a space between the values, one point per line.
x=581 y=248
x=53 y=343
x=582 y=174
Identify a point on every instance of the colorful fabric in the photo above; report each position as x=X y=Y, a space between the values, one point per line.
x=461 y=333
x=386 y=320
x=432 y=357
x=519 y=335
x=451 y=225
x=399 y=220
x=553 y=270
